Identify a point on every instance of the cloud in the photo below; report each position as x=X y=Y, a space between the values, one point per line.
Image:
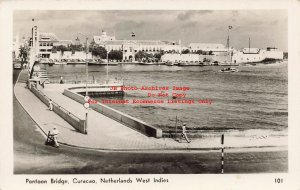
x=190 y=15
x=190 y=26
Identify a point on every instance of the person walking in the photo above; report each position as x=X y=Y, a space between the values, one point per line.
x=61 y=80
x=54 y=134
x=183 y=134
x=50 y=105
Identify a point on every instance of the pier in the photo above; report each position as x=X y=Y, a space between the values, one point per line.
x=108 y=134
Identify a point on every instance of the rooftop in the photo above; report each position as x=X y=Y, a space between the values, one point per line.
x=48 y=37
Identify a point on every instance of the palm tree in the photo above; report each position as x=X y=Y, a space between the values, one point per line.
x=23 y=54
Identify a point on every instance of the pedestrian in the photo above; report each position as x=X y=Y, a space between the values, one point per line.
x=61 y=80
x=50 y=105
x=54 y=134
x=183 y=134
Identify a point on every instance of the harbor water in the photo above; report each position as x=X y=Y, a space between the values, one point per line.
x=255 y=99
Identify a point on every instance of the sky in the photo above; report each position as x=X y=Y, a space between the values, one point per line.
x=264 y=27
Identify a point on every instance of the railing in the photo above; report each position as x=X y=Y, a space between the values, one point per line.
x=60 y=107
x=123 y=118
x=58 y=81
x=73 y=120
x=73 y=81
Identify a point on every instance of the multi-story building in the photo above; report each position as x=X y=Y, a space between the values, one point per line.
x=42 y=43
x=207 y=47
x=46 y=43
x=131 y=47
x=249 y=55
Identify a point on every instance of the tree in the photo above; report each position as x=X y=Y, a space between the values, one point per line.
x=78 y=47
x=23 y=54
x=99 y=51
x=200 y=52
x=141 y=55
x=158 y=55
x=115 y=55
x=62 y=49
x=92 y=45
x=54 y=49
x=186 y=51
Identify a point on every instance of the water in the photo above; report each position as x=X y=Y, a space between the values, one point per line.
x=254 y=98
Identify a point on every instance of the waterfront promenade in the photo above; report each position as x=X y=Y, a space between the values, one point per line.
x=107 y=134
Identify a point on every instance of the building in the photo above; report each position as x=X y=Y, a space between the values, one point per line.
x=248 y=55
x=131 y=47
x=42 y=43
x=208 y=47
x=63 y=43
x=273 y=53
x=16 y=47
x=46 y=43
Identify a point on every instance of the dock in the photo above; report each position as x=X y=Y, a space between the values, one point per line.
x=105 y=133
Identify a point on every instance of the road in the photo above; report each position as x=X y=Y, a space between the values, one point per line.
x=31 y=156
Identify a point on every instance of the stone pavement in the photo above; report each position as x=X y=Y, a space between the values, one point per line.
x=107 y=134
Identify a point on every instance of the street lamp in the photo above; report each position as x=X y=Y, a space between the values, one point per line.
x=86 y=63
x=229 y=27
x=86 y=83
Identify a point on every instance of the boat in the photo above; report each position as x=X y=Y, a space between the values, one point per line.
x=147 y=63
x=191 y=63
x=169 y=63
x=60 y=62
x=228 y=70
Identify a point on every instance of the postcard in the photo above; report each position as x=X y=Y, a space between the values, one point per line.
x=149 y=94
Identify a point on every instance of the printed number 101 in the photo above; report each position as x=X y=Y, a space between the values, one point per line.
x=278 y=180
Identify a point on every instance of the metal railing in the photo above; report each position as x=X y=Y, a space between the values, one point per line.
x=58 y=81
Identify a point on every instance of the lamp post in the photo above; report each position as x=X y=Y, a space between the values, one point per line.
x=86 y=63
x=107 y=65
x=86 y=83
x=229 y=27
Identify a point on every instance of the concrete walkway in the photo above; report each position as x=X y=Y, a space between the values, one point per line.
x=107 y=134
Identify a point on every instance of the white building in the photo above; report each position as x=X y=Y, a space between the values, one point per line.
x=131 y=47
x=71 y=55
x=248 y=55
x=46 y=43
x=208 y=47
x=273 y=53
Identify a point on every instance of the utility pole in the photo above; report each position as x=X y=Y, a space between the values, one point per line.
x=228 y=41
x=249 y=44
x=86 y=82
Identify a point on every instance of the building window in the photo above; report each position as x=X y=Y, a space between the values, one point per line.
x=51 y=44
x=47 y=44
x=41 y=44
x=49 y=50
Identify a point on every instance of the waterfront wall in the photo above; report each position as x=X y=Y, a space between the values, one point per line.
x=125 y=119
x=74 y=121
x=219 y=57
x=69 y=55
